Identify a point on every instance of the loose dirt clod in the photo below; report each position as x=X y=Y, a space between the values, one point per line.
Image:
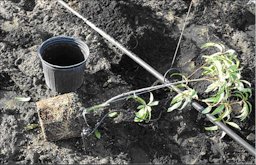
x=59 y=118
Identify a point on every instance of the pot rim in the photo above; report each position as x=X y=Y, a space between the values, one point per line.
x=63 y=39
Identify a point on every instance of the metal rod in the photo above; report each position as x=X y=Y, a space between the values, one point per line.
x=161 y=78
x=226 y=129
x=117 y=44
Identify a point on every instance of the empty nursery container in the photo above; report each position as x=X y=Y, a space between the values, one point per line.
x=63 y=60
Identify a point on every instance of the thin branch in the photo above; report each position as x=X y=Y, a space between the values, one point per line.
x=124 y=96
x=182 y=31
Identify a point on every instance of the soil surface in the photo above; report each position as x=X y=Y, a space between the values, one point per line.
x=150 y=29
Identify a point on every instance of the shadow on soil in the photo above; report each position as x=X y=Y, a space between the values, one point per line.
x=152 y=41
x=149 y=38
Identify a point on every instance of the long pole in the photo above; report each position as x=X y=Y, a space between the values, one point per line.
x=161 y=78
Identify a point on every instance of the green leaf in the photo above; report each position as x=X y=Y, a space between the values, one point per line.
x=239 y=94
x=249 y=106
x=229 y=63
x=154 y=103
x=223 y=134
x=219 y=68
x=233 y=76
x=184 y=104
x=112 y=114
x=139 y=99
x=213 y=87
x=217 y=98
x=244 y=111
x=207 y=110
x=23 y=99
x=175 y=106
x=151 y=98
x=211 y=44
x=141 y=106
x=212 y=99
x=233 y=68
x=97 y=134
x=141 y=115
x=237 y=61
x=177 y=98
x=239 y=85
x=231 y=51
x=194 y=94
x=137 y=120
x=218 y=109
x=246 y=82
x=246 y=90
x=148 y=114
x=212 y=128
x=148 y=109
x=226 y=113
x=181 y=86
x=96 y=107
x=208 y=70
x=232 y=124
x=222 y=95
x=31 y=126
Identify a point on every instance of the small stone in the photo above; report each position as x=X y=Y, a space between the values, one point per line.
x=104 y=161
x=251 y=137
x=2 y=46
x=46 y=18
x=77 y=32
x=216 y=160
x=10 y=25
x=89 y=37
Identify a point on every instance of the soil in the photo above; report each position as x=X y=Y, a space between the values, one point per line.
x=150 y=29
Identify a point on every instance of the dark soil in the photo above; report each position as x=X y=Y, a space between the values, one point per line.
x=150 y=29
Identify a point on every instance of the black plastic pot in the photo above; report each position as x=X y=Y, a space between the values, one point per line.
x=63 y=60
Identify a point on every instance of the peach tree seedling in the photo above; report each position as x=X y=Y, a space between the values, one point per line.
x=226 y=89
x=144 y=113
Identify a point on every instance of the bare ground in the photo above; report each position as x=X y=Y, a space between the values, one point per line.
x=151 y=30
